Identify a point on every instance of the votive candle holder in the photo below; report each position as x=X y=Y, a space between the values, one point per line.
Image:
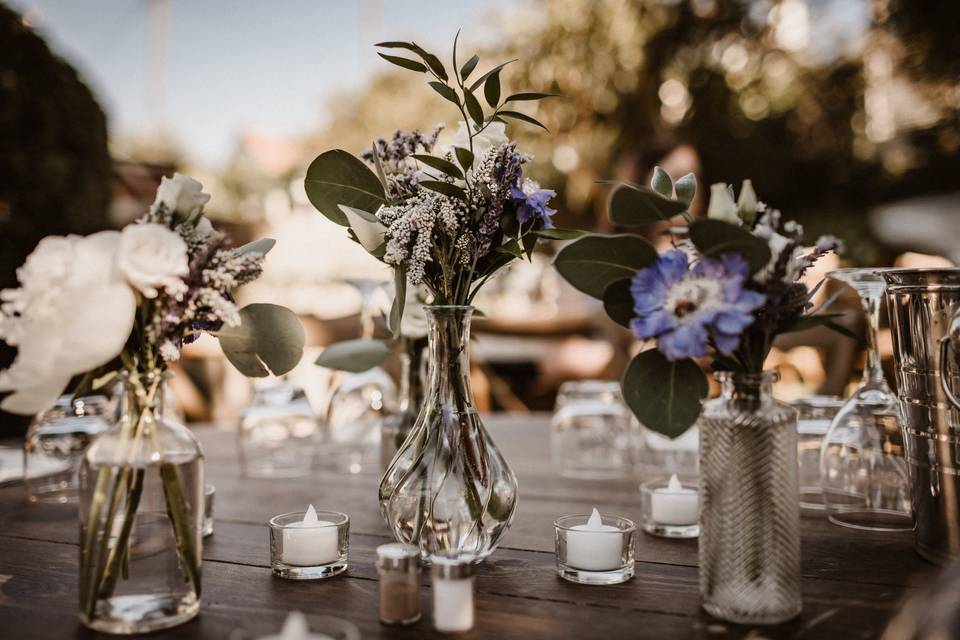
x=309 y=550
x=670 y=508
x=593 y=554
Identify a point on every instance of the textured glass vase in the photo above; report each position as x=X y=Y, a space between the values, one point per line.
x=397 y=426
x=141 y=518
x=750 y=510
x=448 y=489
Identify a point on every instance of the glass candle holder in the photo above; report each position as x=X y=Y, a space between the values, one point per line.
x=595 y=549
x=209 y=492
x=670 y=508
x=590 y=432
x=309 y=545
x=814 y=416
x=399 y=568
x=453 y=608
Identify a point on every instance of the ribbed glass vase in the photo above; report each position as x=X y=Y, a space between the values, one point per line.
x=448 y=489
x=141 y=518
x=750 y=510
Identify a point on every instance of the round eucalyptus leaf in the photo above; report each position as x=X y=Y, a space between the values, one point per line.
x=665 y=396
x=594 y=262
x=618 y=302
x=337 y=177
x=714 y=238
x=354 y=356
x=269 y=340
x=633 y=205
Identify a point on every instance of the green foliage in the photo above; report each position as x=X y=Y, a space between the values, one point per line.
x=354 y=356
x=446 y=188
x=491 y=89
x=635 y=205
x=336 y=177
x=269 y=340
x=714 y=238
x=665 y=396
x=464 y=157
x=399 y=299
x=618 y=302
x=468 y=67
x=661 y=183
x=686 y=188
x=594 y=262
x=406 y=63
x=516 y=115
x=440 y=164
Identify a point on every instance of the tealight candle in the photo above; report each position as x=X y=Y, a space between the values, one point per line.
x=295 y=627
x=595 y=549
x=670 y=511
x=308 y=545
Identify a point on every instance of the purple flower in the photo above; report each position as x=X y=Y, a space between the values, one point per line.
x=532 y=202
x=684 y=308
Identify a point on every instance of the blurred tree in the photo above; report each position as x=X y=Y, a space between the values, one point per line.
x=55 y=172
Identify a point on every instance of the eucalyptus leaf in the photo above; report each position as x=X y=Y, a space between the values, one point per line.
x=445 y=188
x=662 y=183
x=399 y=298
x=491 y=89
x=464 y=157
x=560 y=234
x=369 y=230
x=406 y=63
x=479 y=81
x=516 y=115
x=269 y=340
x=432 y=61
x=445 y=91
x=440 y=164
x=634 y=205
x=337 y=177
x=354 y=356
x=686 y=188
x=530 y=95
x=473 y=108
x=618 y=302
x=262 y=246
x=714 y=238
x=665 y=396
x=468 y=67
x=594 y=262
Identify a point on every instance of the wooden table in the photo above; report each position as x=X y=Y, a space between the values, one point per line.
x=852 y=581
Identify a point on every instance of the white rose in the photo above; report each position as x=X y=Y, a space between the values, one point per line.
x=152 y=257
x=493 y=136
x=413 y=325
x=722 y=207
x=72 y=313
x=182 y=195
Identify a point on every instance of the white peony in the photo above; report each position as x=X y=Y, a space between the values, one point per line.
x=413 y=325
x=722 y=207
x=182 y=195
x=495 y=135
x=72 y=313
x=152 y=257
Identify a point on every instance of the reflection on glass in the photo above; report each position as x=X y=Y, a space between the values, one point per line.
x=590 y=433
x=814 y=416
x=278 y=433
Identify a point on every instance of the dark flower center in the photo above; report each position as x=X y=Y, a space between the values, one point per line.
x=684 y=307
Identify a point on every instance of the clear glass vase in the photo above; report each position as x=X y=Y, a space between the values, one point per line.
x=448 y=489
x=750 y=511
x=397 y=426
x=141 y=518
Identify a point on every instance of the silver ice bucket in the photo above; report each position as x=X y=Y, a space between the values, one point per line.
x=923 y=304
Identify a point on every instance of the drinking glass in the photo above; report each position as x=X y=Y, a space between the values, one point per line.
x=863 y=470
x=815 y=414
x=278 y=433
x=590 y=433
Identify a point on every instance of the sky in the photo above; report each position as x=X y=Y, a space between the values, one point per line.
x=231 y=67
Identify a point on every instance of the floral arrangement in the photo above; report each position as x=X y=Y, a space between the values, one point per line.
x=127 y=300
x=727 y=288
x=444 y=216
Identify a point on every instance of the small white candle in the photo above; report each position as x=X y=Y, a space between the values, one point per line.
x=295 y=628
x=675 y=504
x=311 y=542
x=453 y=604
x=594 y=546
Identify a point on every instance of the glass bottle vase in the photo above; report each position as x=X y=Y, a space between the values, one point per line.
x=750 y=511
x=141 y=518
x=448 y=489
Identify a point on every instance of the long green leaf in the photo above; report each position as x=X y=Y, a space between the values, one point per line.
x=406 y=63
x=269 y=339
x=445 y=91
x=473 y=108
x=399 y=299
x=714 y=238
x=440 y=164
x=634 y=205
x=594 y=262
x=491 y=89
x=445 y=188
x=464 y=157
x=432 y=61
x=479 y=81
x=665 y=396
x=530 y=95
x=560 y=234
x=337 y=177
x=516 y=115
x=468 y=67
x=354 y=356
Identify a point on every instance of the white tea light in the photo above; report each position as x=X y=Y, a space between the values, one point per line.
x=295 y=628
x=675 y=504
x=310 y=542
x=594 y=546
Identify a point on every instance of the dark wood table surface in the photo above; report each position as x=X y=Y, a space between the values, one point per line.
x=853 y=581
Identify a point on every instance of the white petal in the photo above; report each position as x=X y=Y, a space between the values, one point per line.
x=98 y=328
x=34 y=399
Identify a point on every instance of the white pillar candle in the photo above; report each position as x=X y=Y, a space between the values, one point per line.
x=311 y=542
x=594 y=546
x=675 y=504
x=453 y=604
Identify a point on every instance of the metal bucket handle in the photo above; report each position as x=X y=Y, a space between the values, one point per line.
x=949 y=342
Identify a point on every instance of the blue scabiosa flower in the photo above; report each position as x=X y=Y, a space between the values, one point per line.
x=684 y=308
x=532 y=202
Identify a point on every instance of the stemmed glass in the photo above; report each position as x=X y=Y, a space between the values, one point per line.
x=863 y=470
x=360 y=401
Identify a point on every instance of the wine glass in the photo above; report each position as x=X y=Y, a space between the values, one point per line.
x=360 y=402
x=863 y=469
